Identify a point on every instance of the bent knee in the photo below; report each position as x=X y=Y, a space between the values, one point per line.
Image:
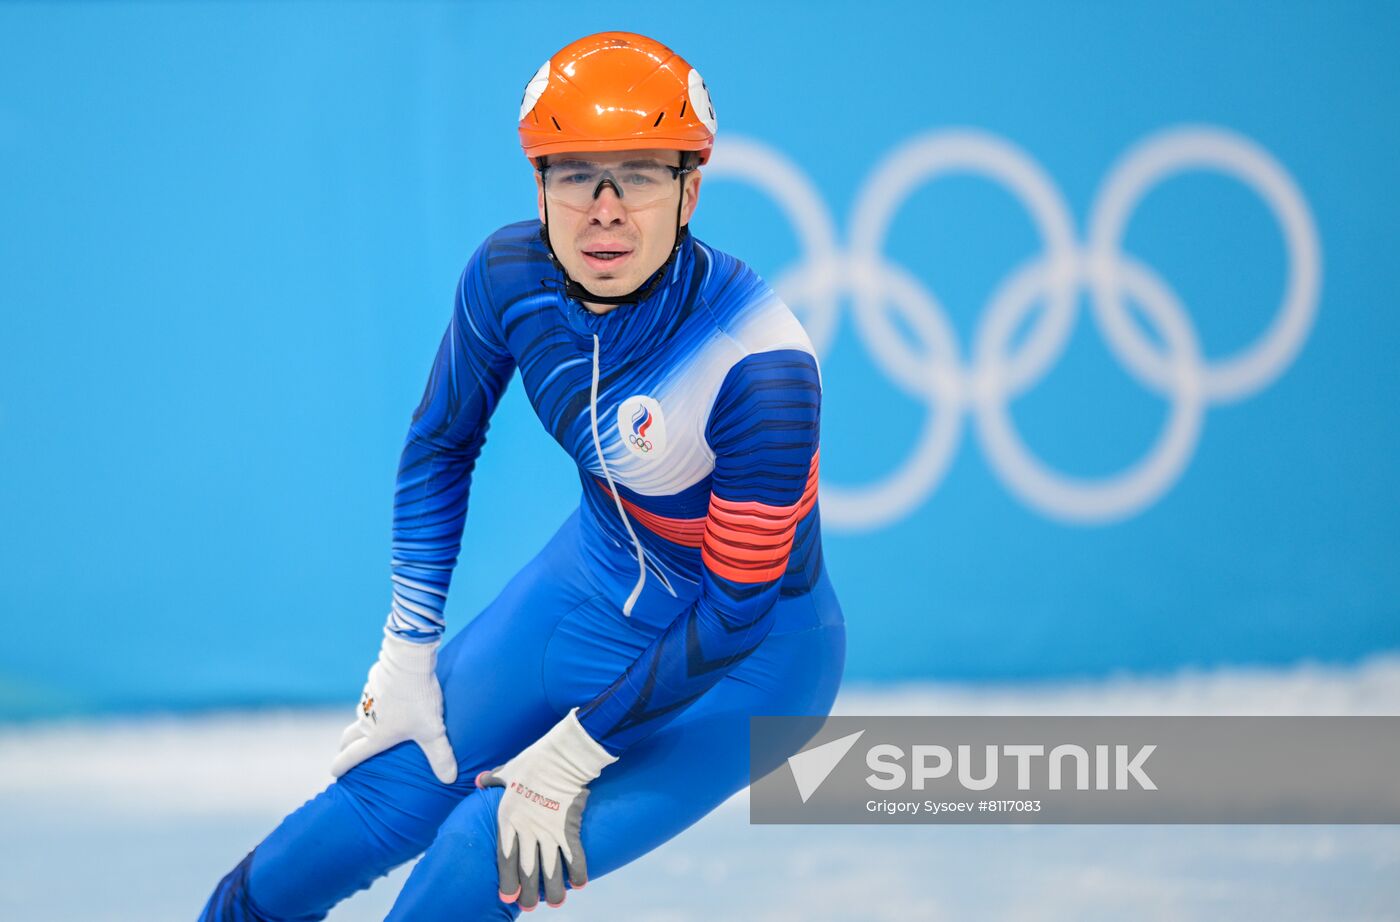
x=456 y=877
x=233 y=902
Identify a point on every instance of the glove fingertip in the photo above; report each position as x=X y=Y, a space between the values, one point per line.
x=350 y=734
x=444 y=769
x=353 y=755
x=441 y=758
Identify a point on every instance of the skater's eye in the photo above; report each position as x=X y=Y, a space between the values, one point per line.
x=577 y=178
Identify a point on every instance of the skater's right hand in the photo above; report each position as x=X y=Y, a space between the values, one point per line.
x=540 y=818
x=402 y=701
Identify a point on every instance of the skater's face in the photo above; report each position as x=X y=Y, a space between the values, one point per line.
x=612 y=216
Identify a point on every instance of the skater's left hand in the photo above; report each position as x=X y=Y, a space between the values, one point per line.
x=402 y=702
x=540 y=815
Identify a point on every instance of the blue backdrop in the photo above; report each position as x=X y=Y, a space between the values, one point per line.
x=1105 y=295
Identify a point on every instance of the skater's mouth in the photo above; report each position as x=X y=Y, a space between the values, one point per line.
x=605 y=258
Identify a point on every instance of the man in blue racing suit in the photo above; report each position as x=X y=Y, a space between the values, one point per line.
x=600 y=705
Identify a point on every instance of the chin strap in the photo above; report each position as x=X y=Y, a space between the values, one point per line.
x=648 y=288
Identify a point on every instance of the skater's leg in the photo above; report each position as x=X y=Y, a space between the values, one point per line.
x=656 y=790
x=379 y=815
x=387 y=809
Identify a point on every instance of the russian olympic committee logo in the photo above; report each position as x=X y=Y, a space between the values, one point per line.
x=640 y=425
x=932 y=369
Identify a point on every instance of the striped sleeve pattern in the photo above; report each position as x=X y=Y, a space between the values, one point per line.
x=763 y=430
x=749 y=542
x=469 y=375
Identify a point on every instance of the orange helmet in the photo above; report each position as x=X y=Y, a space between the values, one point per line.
x=616 y=91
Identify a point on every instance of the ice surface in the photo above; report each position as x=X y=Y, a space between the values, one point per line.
x=136 y=819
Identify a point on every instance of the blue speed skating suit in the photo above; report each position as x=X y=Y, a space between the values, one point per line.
x=685 y=594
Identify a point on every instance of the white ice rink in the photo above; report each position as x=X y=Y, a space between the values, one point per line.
x=135 y=820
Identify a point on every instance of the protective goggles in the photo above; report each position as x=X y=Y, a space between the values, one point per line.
x=577 y=183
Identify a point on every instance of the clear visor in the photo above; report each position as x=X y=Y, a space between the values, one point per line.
x=577 y=183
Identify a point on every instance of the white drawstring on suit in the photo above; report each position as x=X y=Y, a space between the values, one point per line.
x=598 y=447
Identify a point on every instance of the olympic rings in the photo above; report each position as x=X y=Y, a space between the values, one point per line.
x=931 y=369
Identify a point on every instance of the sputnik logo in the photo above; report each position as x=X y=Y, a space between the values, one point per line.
x=814 y=766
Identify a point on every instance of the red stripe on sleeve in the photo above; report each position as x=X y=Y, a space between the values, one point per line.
x=745 y=542
x=749 y=542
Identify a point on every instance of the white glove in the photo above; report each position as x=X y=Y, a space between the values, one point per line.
x=542 y=810
x=402 y=701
